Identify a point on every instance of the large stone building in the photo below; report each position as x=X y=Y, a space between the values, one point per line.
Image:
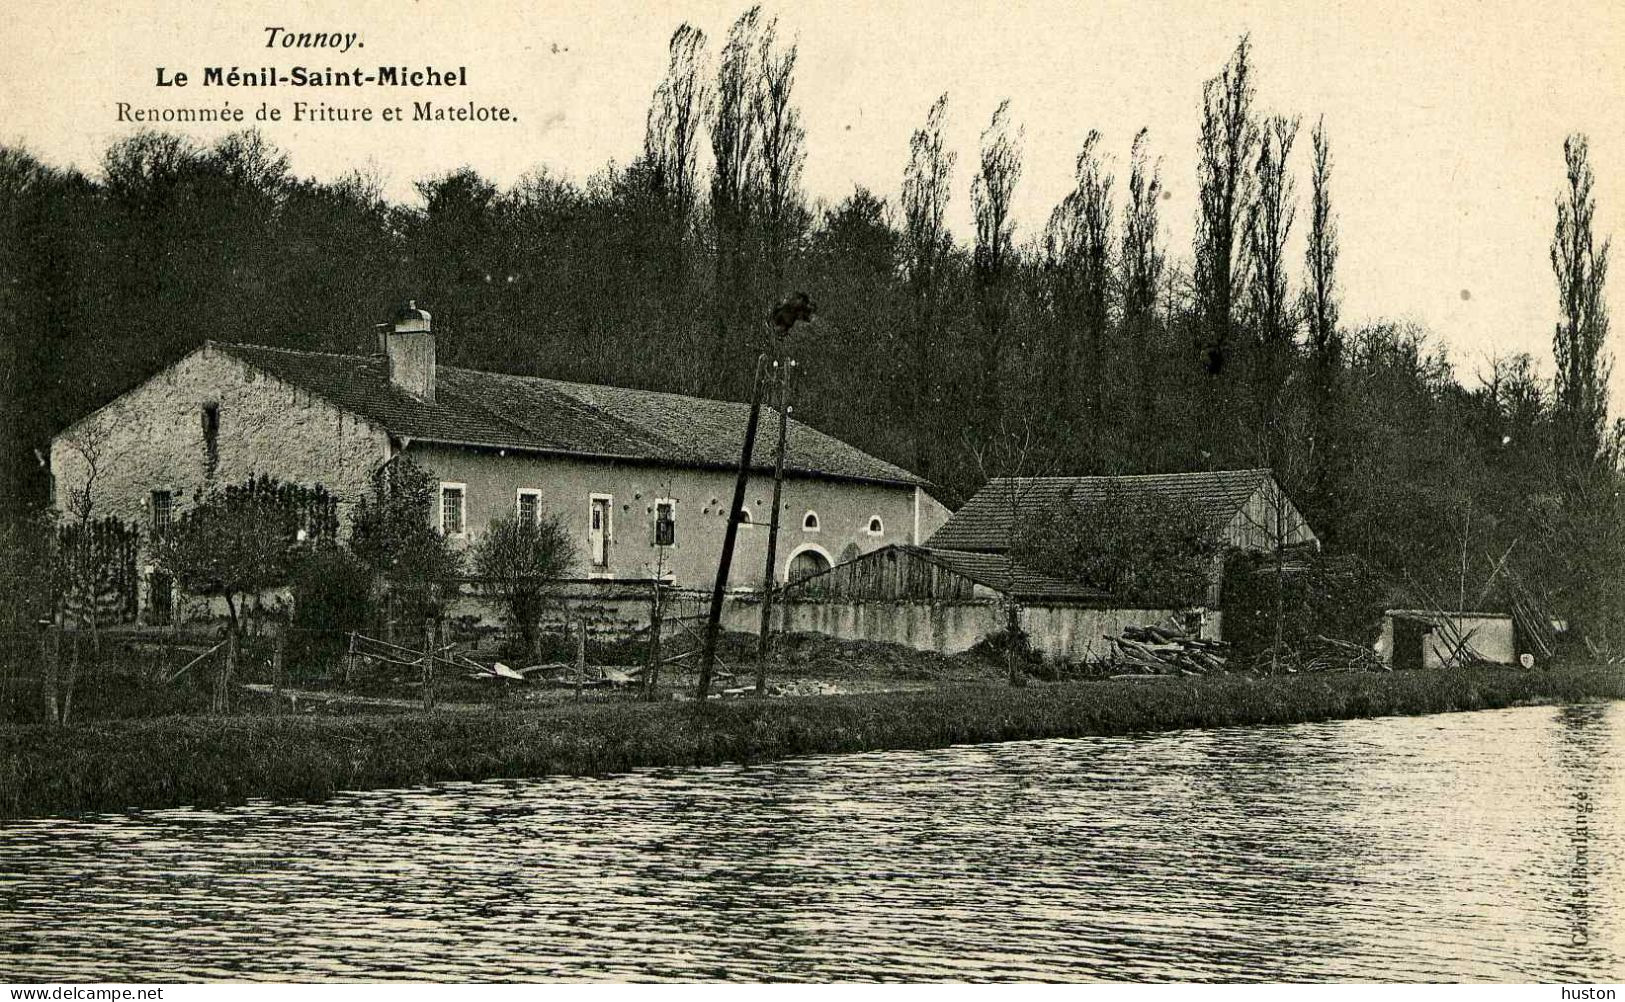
x=611 y=462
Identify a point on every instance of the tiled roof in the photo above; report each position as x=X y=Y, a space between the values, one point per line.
x=984 y=523
x=526 y=412
x=1000 y=573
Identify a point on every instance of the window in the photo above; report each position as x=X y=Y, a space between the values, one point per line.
x=810 y=522
x=665 y=522
x=211 y=437
x=598 y=529
x=528 y=506
x=452 y=498
x=876 y=527
x=163 y=511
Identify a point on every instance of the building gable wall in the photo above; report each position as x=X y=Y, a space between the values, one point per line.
x=153 y=439
x=1267 y=511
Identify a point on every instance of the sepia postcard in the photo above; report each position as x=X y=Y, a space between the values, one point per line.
x=925 y=491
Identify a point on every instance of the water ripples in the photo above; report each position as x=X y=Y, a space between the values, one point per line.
x=1484 y=846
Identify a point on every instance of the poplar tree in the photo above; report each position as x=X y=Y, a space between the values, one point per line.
x=1226 y=149
x=926 y=246
x=1141 y=263
x=1580 y=264
x=993 y=261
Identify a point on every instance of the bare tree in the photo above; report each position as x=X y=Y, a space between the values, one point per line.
x=1008 y=460
x=926 y=245
x=1141 y=264
x=1269 y=223
x=1078 y=258
x=1588 y=457
x=993 y=261
x=1320 y=257
x=88 y=575
x=1325 y=489
x=735 y=181
x=782 y=145
x=676 y=114
x=1580 y=264
x=517 y=562
x=1225 y=152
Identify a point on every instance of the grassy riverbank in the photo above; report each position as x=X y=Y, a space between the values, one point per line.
x=212 y=760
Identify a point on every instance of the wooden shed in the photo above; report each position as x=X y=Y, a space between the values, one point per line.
x=948 y=600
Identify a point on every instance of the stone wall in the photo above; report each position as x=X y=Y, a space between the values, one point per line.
x=153 y=439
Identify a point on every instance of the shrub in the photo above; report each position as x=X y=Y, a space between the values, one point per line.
x=1148 y=549
x=516 y=563
x=332 y=595
x=393 y=535
x=1336 y=596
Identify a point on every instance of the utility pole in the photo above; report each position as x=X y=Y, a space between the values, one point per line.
x=785 y=366
x=797 y=309
x=713 y=620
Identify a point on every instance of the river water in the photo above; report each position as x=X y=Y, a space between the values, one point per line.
x=1470 y=846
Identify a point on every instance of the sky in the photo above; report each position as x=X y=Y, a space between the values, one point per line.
x=1446 y=119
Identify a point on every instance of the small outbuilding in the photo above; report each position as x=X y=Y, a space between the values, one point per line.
x=1420 y=638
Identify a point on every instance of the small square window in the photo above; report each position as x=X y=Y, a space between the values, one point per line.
x=452 y=498
x=529 y=506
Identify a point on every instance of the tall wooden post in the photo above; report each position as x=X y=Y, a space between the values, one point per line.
x=228 y=671
x=51 y=656
x=581 y=655
x=276 y=672
x=428 y=666
x=66 y=705
x=713 y=620
x=656 y=616
x=770 y=576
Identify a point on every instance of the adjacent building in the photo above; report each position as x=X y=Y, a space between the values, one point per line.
x=1247 y=509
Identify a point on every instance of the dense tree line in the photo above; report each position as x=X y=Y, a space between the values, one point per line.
x=1091 y=342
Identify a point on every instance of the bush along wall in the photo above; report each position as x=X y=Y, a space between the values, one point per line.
x=1330 y=595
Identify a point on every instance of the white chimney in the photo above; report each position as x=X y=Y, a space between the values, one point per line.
x=409 y=349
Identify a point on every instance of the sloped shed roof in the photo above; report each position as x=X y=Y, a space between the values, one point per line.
x=491 y=409
x=985 y=522
x=999 y=572
x=901 y=572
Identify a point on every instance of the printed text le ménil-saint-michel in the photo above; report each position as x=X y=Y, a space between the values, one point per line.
x=352 y=77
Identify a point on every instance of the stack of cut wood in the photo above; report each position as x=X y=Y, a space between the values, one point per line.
x=1161 y=650
x=1325 y=654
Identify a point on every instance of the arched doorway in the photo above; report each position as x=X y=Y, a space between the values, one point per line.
x=806 y=562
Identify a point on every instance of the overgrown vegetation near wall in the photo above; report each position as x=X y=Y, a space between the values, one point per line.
x=1339 y=597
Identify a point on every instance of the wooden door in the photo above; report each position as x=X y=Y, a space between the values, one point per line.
x=598 y=532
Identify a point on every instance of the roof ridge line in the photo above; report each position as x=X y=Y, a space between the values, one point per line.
x=1134 y=476
x=287 y=351
x=604 y=386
